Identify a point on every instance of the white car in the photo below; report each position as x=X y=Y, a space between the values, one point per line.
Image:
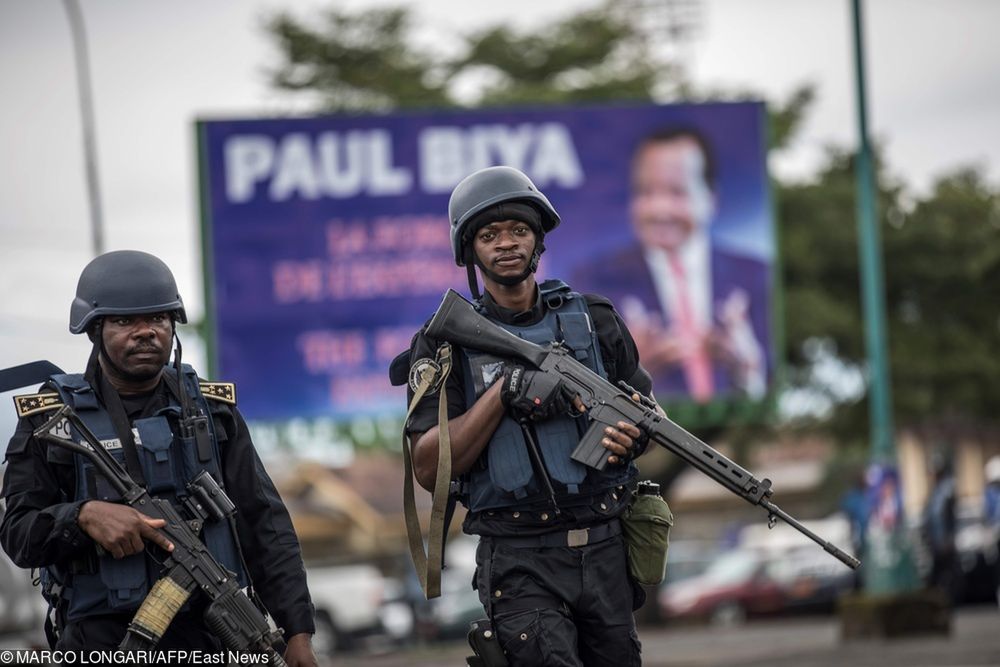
x=348 y=599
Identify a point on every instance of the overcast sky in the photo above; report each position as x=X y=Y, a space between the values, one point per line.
x=934 y=81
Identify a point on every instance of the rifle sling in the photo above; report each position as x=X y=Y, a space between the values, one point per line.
x=123 y=428
x=428 y=564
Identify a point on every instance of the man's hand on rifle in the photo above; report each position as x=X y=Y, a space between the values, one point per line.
x=534 y=395
x=625 y=442
x=120 y=529
x=621 y=441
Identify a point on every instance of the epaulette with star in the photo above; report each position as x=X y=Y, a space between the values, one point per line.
x=29 y=404
x=224 y=392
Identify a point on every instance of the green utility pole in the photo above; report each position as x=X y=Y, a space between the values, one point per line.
x=888 y=559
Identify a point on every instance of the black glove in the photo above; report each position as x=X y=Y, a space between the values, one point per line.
x=533 y=394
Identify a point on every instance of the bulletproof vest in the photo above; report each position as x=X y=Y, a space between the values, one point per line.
x=504 y=476
x=168 y=463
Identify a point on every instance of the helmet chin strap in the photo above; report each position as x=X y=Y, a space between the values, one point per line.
x=98 y=350
x=470 y=272
x=508 y=281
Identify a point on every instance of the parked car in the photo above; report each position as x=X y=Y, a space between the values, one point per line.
x=449 y=616
x=397 y=613
x=735 y=585
x=689 y=558
x=976 y=543
x=348 y=600
x=811 y=579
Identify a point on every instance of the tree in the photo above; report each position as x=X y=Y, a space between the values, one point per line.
x=943 y=265
x=942 y=262
x=366 y=61
x=356 y=62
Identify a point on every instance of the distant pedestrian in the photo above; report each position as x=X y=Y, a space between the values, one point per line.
x=856 y=504
x=940 y=528
x=991 y=516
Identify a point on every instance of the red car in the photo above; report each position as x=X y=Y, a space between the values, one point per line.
x=735 y=585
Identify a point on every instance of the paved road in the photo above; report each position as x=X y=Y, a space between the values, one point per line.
x=802 y=642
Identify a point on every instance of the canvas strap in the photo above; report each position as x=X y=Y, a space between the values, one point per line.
x=428 y=564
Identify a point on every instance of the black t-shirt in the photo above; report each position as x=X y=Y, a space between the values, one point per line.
x=618 y=353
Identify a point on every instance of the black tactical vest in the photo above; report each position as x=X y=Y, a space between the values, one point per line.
x=168 y=463
x=504 y=476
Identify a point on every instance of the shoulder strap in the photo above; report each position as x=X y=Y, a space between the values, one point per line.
x=428 y=564
x=123 y=427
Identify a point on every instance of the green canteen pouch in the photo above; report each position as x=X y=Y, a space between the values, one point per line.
x=646 y=525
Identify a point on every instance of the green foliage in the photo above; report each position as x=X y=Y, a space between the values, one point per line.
x=591 y=56
x=942 y=276
x=356 y=62
x=943 y=263
x=366 y=61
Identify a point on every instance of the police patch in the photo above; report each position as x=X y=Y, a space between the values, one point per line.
x=425 y=369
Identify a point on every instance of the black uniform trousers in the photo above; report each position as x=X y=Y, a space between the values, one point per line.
x=560 y=606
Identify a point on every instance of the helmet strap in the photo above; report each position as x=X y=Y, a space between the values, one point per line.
x=470 y=269
x=177 y=352
x=99 y=350
x=99 y=344
x=508 y=281
x=536 y=255
x=90 y=373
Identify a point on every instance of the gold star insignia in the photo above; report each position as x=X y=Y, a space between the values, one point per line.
x=29 y=404
x=219 y=391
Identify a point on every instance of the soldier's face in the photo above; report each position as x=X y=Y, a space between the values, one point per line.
x=505 y=247
x=670 y=199
x=137 y=346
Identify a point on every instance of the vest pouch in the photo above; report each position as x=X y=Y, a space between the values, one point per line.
x=124 y=580
x=155 y=440
x=509 y=465
x=557 y=438
x=576 y=333
x=646 y=526
x=95 y=485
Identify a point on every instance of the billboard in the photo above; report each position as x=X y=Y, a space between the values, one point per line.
x=326 y=241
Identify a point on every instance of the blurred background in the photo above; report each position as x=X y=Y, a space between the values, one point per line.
x=158 y=69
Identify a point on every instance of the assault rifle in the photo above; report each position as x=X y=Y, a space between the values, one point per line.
x=190 y=567
x=457 y=321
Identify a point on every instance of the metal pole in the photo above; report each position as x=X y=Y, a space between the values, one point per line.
x=888 y=563
x=81 y=58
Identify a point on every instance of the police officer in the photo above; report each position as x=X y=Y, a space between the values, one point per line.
x=552 y=575
x=63 y=518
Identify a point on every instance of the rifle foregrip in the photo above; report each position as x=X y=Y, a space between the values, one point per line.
x=157 y=611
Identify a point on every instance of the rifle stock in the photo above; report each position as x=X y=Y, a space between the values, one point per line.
x=457 y=321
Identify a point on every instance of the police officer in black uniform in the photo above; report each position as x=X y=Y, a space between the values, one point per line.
x=552 y=576
x=63 y=518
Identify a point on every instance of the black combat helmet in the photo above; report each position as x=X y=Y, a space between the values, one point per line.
x=124 y=282
x=489 y=187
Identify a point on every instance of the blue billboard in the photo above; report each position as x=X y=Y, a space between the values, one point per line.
x=326 y=241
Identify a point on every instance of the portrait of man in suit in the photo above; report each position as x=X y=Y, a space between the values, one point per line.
x=696 y=308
